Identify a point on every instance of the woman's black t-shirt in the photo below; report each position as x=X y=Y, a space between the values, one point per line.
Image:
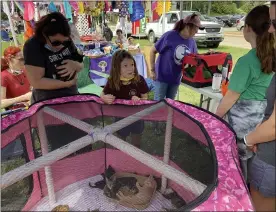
x=36 y=54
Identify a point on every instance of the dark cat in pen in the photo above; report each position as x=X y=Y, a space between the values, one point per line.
x=117 y=184
x=112 y=185
x=109 y=172
x=176 y=200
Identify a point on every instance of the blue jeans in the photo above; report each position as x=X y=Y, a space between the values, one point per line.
x=164 y=90
x=262 y=177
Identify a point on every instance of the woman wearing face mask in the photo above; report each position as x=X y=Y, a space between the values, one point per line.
x=172 y=47
x=245 y=100
x=15 y=87
x=51 y=59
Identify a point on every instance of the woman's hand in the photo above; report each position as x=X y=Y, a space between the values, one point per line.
x=27 y=97
x=211 y=51
x=135 y=98
x=71 y=82
x=252 y=148
x=68 y=68
x=108 y=98
x=153 y=75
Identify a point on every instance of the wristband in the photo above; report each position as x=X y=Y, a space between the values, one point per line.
x=245 y=142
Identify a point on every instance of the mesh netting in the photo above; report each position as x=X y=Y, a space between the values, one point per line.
x=13 y=156
x=163 y=135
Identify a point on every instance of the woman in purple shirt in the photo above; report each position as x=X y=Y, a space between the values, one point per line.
x=172 y=47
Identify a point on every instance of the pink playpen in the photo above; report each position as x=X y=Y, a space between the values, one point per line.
x=51 y=152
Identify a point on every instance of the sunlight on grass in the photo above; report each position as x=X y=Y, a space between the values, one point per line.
x=5 y=44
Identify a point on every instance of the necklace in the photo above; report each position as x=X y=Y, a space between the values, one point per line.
x=20 y=80
x=17 y=76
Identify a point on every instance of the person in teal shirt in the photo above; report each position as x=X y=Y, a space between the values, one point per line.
x=249 y=79
x=245 y=101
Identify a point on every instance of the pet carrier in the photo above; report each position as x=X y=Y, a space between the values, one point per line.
x=198 y=69
x=70 y=143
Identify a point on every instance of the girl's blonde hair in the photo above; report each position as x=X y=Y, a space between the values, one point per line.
x=115 y=72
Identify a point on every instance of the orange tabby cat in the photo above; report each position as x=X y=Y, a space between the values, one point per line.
x=142 y=198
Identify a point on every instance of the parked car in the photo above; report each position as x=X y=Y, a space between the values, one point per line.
x=226 y=20
x=234 y=19
x=211 y=36
x=240 y=24
x=213 y=19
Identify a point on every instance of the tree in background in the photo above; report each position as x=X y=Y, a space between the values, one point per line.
x=3 y=15
x=220 y=7
x=224 y=8
x=249 y=5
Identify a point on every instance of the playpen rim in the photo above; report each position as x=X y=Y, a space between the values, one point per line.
x=148 y=103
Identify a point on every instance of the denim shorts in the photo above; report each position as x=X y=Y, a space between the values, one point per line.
x=135 y=128
x=164 y=90
x=262 y=177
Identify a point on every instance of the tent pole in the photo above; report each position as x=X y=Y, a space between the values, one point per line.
x=45 y=150
x=167 y=147
x=6 y=6
x=164 y=16
x=103 y=22
x=181 y=9
x=36 y=15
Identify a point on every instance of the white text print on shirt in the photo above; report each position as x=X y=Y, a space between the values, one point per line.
x=180 y=51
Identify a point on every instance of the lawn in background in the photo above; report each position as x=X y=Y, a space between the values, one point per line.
x=185 y=94
x=5 y=44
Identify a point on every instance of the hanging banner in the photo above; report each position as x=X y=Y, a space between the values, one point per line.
x=143 y=24
x=21 y=8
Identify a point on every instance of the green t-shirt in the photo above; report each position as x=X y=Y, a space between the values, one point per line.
x=247 y=78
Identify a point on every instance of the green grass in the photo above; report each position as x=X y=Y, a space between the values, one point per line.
x=5 y=45
x=15 y=196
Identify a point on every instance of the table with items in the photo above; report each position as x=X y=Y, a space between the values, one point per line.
x=103 y=65
x=100 y=53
